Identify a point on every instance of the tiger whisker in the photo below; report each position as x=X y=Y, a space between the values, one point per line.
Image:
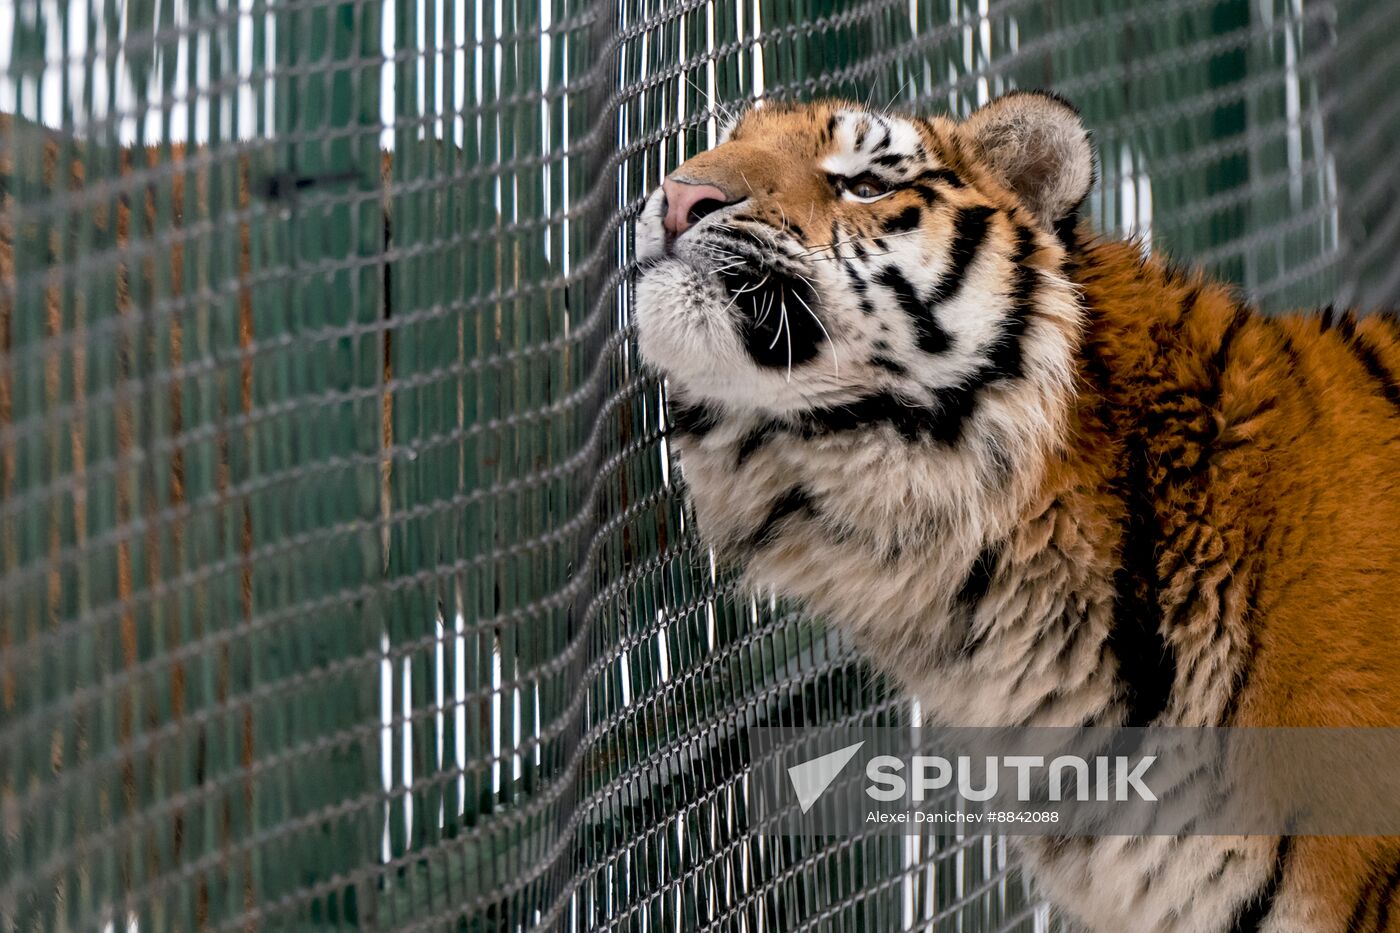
x=761 y=283
x=858 y=239
x=908 y=81
x=723 y=254
x=717 y=105
x=787 y=328
x=835 y=360
x=767 y=307
x=877 y=253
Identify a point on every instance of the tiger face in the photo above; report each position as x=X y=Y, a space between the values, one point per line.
x=834 y=288
x=825 y=255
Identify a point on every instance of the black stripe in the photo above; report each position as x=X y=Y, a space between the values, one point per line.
x=1326 y=318
x=979 y=578
x=1295 y=357
x=890 y=160
x=941 y=422
x=955 y=408
x=1146 y=667
x=858 y=284
x=693 y=420
x=1370 y=359
x=1189 y=301
x=1067 y=231
x=928 y=333
x=928 y=195
x=884 y=133
x=1363 y=901
x=793 y=501
x=974 y=589
x=1219 y=872
x=752 y=442
x=969 y=229
x=893 y=367
x=1387 y=894
x=1391 y=319
x=1025 y=244
x=1377 y=891
x=1258 y=908
x=882 y=408
x=904 y=221
x=945 y=175
x=1004 y=354
x=1239 y=316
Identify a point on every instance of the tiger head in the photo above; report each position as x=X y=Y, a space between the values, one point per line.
x=867 y=317
x=829 y=260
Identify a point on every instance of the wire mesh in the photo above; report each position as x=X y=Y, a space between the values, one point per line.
x=344 y=579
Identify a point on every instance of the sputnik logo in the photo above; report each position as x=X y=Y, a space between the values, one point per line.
x=811 y=778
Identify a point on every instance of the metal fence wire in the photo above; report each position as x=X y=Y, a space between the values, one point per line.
x=344 y=578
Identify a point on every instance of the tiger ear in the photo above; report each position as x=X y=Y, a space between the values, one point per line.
x=1036 y=145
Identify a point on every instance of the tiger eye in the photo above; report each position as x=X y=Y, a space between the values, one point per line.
x=867 y=186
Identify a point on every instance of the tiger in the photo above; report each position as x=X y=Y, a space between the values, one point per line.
x=1039 y=476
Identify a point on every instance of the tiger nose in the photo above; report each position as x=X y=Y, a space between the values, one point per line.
x=687 y=204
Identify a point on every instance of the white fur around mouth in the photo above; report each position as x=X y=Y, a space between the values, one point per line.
x=651 y=237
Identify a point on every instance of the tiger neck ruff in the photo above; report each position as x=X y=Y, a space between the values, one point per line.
x=1040 y=478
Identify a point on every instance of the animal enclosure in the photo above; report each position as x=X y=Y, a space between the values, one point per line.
x=345 y=581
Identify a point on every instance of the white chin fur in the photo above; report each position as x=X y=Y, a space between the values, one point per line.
x=651 y=235
x=684 y=329
x=687 y=329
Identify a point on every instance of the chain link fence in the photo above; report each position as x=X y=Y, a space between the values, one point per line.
x=344 y=581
